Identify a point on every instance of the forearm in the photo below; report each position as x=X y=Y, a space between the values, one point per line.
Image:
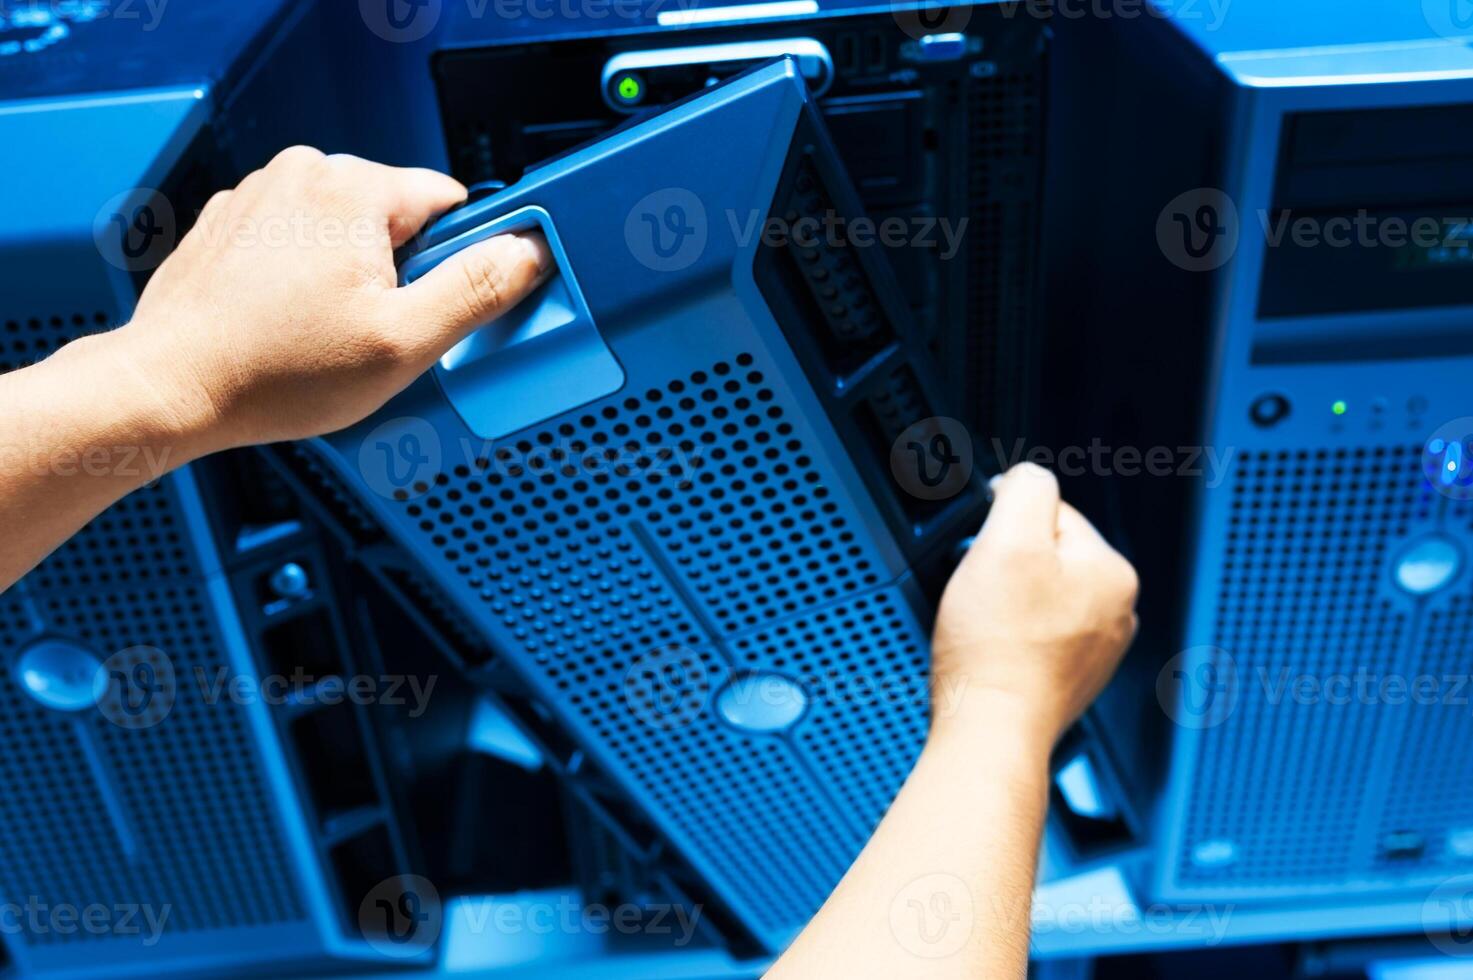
x=943 y=889
x=78 y=431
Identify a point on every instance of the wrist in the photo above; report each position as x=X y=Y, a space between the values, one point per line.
x=975 y=715
x=150 y=392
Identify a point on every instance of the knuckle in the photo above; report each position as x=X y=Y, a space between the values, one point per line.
x=1132 y=577
x=485 y=289
x=1030 y=470
x=1128 y=577
x=214 y=209
x=295 y=156
x=251 y=181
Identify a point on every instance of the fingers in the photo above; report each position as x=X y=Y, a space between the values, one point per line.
x=213 y=215
x=407 y=196
x=474 y=287
x=1025 y=508
x=218 y=202
x=1082 y=541
x=1074 y=525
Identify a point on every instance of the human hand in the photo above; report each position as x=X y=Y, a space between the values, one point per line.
x=1038 y=614
x=279 y=315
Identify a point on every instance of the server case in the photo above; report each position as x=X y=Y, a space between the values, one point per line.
x=662 y=492
x=151 y=821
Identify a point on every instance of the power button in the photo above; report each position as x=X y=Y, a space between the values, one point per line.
x=1269 y=410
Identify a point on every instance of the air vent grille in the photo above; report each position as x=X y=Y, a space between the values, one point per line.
x=1005 y=115
x=139 y=540
x=1289 y=787
x=1430 y=802
x=26 y=340
x=175 y=815
x=642 y=553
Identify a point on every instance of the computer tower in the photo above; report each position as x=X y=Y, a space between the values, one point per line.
x=670 y=495
x=1308 y=523
x=937 y=113
x=163 y=810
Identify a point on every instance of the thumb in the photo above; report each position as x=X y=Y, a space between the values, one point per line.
x=1025 y=508
x=474 y=287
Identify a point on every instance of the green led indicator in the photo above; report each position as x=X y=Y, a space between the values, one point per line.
x=629 y=88
x=1339 y=407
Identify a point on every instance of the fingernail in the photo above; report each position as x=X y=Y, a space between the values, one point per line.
x=537 y=245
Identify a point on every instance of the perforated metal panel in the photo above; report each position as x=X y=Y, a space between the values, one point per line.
x=177 y=820
x=1343 y=783
x=195 y=817
x=28 y=339
x=174 y=816
x=638 y=555
x=728 y=523
x=1005 y=150
x=1429 y=803
x=140 y=540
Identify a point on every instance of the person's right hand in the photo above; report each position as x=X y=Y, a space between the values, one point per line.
x=279 y=316
x=1038 y=614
